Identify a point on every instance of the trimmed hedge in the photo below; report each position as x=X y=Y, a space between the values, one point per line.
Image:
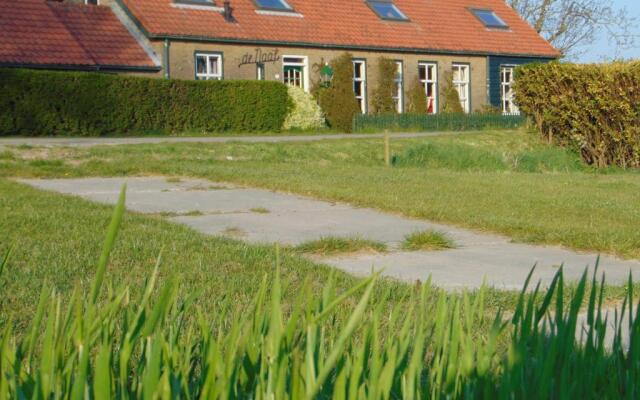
x=593 y=109
x=38 y=103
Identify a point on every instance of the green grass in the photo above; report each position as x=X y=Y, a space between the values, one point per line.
x=558 y=203
x=55 y=240
x=328 y=246
x=465 y=157
x=110 y=341
x=260 y=210
x=427 y=240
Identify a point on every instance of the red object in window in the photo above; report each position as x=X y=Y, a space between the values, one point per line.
x=430 y=107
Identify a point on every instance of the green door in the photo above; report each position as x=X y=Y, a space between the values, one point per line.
x=293 y=76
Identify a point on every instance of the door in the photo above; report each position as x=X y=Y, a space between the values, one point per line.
x=293 y=76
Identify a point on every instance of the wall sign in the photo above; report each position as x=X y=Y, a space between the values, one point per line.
x=260 y=57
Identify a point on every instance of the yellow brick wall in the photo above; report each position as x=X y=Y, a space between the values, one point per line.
x=182 y=55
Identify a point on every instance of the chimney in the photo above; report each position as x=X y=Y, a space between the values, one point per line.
x=228 y=12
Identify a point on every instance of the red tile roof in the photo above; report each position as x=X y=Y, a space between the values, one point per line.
x=435 y=25
x=41 y=33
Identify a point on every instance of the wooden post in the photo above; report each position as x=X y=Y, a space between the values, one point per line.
x=387 y=155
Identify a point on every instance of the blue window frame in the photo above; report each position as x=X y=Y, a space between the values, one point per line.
x=387 y=10
x=490 y=19
x=279 y=5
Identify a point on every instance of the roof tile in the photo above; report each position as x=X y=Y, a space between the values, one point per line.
x=36 y=32
x=443 y=25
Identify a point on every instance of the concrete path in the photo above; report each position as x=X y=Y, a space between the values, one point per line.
x=115 y=141
x=263 y=216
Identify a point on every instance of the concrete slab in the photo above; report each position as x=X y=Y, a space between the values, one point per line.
x=263 y=216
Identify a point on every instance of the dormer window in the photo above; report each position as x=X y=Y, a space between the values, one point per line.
x=273 y=5
x=387 y=10
x=490 y=19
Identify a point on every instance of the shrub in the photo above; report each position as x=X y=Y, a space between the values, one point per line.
x=93 y=104
x=305 y=113
x=451 y=97
x=337 y=100
x=592 y=109
x=382 y=97
x=417 y=98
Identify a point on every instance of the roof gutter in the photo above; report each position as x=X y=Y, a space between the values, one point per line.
x=79 y=67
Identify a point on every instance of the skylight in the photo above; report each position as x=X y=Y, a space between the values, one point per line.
x=490 y=19
x=387 y=10
x=278 y=5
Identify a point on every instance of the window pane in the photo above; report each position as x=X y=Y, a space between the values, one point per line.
x=422 y=72
x=213 y=65
x=273 y=4
x=490 y=19
x=357 y=70
x=457 y=74
x=293 y=60
x=387 y=10
x=201 y=65
x=430 y=89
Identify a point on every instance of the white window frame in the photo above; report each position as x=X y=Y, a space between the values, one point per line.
x=288 y=60
x=430 y=82
x=507 y=96
x=398 y=98
x=463 y=85
x=208 y=74
x=362 y=82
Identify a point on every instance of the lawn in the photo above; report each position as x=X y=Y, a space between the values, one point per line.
x=217 y=323
x=507 y=182
x=504 y=182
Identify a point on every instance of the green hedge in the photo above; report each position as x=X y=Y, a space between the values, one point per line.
x=435 y=122
x=593 y=109
x=40 y=103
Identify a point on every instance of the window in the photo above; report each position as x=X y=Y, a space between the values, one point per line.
x=398 y=97
x=490 y=19
x=294 y=71
x=428 y=76
x=387 y=10
x=461 y=83
x=360 y=83
x=279 y=5
x=208 y=66
x=91 y=2
x=509 y=106
x=260 y=71
x=194 y=3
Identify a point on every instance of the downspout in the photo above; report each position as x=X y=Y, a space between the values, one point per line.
x=489 y=82
x=166 y=59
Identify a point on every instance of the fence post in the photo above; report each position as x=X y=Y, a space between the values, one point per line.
x=387 y=154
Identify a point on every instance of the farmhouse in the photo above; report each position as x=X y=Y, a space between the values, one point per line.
x=475 y=43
